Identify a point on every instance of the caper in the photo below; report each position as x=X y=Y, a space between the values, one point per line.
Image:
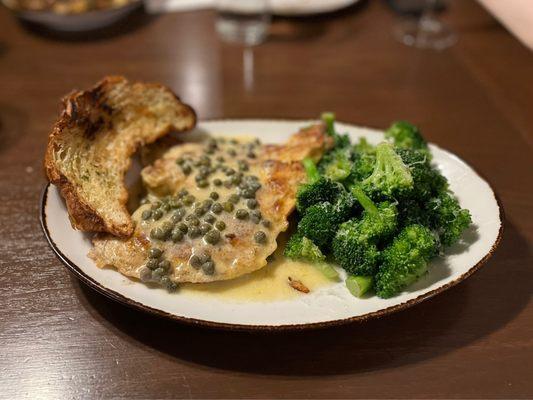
x=157 y=214
x=217 y=182
x=152 y=263
x=248 y=193
x=180 y=161
x=175 y=203
x=228 y=184
x=155 y=253
x=168 y=284
x=214 y=195
x=202 y=184
x=182 y=227
x=236 y=179
x=157 y=274
x=145 y=274
x=146 y=214
x=220 y=159
x=230 y=171
x=243 y=165
x=177 y=215
x=228 y=207
x=156 y=205
x=208 y=268
x=212 y=237
x=189 y=199
x=165 y=264
x=251 y=203
x=199 y=211
x=266 y=223
x=204 y=228
x=260 y=237
x=167 y=229
x=255 y=219
x=256 y=213
x=217 y=208
x=197 y=163
x=241 y=213
x=192 y=219
x=183 y=193
x=177 y=235
x=220 y=225
x=207 y=203
x=165 y=206
x=186 y=169
x=194 y=232
x=204 y=257
x=195 y=261
x=232 y=152
x=204 y=170
x=157 y=233
x=234 y=198
x=210 y=218
x=233 y=141
x=250 y=154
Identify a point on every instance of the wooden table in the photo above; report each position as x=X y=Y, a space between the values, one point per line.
x=61 y=340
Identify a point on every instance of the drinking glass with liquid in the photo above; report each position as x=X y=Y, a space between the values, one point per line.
x=243 y=21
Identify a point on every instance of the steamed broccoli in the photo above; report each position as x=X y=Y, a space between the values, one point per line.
x=405 y=260
x=364 y=160
x=318 y=189
x=427 y=179
x=406 y=136
x=320 y=221
x=355 y=245
x=411 y=211
x=447 y=217
x=391 y=177
x=337 y=163
x=301 y=248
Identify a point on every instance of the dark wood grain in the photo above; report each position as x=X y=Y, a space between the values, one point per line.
x=61 y=340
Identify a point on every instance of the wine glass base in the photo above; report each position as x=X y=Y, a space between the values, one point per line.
x=425 y=34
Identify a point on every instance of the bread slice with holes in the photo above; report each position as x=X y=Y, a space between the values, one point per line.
x=90 y=147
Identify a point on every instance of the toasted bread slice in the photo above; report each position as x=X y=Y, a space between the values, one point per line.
x=90 y=147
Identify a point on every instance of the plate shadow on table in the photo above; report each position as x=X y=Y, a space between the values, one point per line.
x=484 y=303
x=136 y=20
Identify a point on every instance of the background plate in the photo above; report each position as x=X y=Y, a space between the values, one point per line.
x=326 y=306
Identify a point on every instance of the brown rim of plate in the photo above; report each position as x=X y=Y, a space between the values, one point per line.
x=266 y=328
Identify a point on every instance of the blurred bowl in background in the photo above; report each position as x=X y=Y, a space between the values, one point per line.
x=78 y=16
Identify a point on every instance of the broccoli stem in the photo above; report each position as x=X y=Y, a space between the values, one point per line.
x=364 y=200
x=359 y=285
x=329 y=120
x=327 y=270
x=312 y=171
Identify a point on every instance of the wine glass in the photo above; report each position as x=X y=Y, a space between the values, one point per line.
x=427 y=32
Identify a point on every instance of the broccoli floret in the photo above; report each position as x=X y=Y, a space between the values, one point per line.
x=411 y=211
x=301 y=248
x=355 y=245
x=363 y=162
x=318 y=189
x=329 y=120
x=405 y=260
x=427 y=179
x=337 y=163
x=406 y=136
x=319 y=224
x=447 y=217
x=390 y=178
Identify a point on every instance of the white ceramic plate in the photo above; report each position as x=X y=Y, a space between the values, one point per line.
x=329 y=305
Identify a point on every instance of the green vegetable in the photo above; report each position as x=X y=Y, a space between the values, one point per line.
x=318 y=189
x=390 y=178
x=329 y=119
x=301 y=248
x=355 y=246
x=405 y=260
x=406 y=136
x=319 y=223
x=336 y=164
x=448 y=218
x=427 y=180
x=359 y=285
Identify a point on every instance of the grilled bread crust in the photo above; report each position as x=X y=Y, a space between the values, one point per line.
x=90 y=147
